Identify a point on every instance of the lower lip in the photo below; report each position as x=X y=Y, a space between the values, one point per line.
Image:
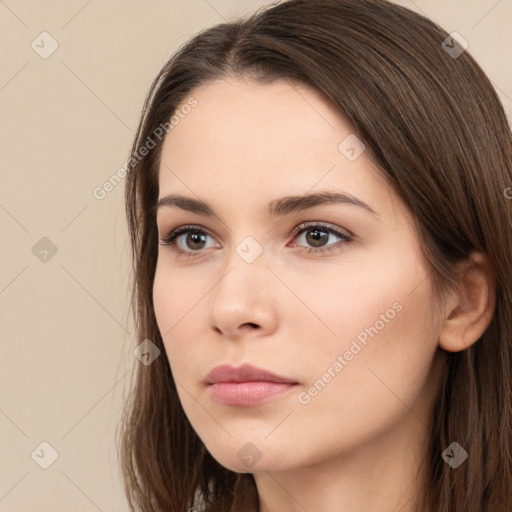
x=247 y=393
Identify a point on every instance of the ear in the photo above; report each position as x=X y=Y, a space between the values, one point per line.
x=470 y=308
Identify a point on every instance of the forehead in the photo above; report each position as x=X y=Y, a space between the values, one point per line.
x=235 y=116
x=270 y=140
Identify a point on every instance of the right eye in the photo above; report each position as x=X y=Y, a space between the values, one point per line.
x=193 y=236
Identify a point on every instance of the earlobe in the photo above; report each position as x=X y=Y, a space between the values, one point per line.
x=470 y=308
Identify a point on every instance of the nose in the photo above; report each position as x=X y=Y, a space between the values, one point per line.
x=243 y=301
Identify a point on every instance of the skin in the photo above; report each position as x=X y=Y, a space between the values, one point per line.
x=358 y=443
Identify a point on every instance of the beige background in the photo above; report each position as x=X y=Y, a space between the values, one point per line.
x=66 y=124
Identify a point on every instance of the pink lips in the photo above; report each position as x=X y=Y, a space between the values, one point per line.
x=246 y=385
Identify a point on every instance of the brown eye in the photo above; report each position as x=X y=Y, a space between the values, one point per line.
x=194 y=240
x=317 y=237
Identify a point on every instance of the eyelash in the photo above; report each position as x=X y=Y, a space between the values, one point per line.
x=170 y=239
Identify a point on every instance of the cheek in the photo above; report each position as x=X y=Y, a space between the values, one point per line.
x=163 y=301
x=383 y=350
x=176 y=300
x=372 y=295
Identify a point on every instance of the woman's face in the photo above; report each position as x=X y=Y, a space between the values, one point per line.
x=346 y=321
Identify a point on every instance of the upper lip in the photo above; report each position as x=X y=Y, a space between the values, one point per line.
x=244 y=373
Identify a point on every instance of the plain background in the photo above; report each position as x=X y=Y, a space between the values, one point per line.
x=67 y=123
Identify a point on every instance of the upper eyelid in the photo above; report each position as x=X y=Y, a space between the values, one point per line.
x=313 y=223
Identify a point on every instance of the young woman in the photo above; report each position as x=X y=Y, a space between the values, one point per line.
x=321 y=232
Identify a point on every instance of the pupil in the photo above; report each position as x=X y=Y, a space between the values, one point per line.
x=316 y=238
x=195 y=239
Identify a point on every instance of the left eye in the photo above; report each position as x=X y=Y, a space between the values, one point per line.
x=318 y=234
x=314 y=234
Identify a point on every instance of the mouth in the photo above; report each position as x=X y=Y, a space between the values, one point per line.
x=247 y=385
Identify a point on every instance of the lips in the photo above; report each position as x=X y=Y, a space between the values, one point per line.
x=245 y=373
x=246 y=386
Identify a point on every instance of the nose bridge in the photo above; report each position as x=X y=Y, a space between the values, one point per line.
x=245 y=266
x=241 y=295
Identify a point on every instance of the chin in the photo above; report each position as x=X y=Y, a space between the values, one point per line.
x=253 y=457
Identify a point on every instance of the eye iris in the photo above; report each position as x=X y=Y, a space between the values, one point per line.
x=317 y=236
x=195 y=237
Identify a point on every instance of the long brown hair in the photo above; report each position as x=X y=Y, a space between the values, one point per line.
x=434 y=125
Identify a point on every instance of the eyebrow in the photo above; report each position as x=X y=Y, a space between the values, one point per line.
x=275 y=208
